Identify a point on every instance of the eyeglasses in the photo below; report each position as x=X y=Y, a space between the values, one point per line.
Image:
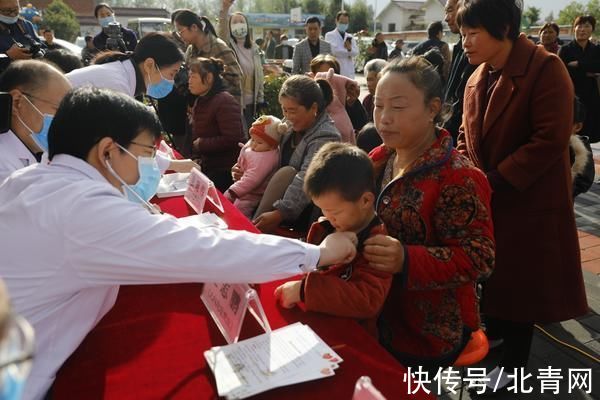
x=55 y=105
x=9 y=12
x=178 y=33
x=153 y=148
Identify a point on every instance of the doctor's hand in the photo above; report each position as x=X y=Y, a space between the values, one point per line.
x=338 y=248
x=269 y=221
x=384 y=253
x=288 y=294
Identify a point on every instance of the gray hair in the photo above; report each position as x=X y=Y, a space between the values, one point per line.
x=375 y=65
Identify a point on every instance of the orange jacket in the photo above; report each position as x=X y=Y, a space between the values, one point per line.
x=348 y=290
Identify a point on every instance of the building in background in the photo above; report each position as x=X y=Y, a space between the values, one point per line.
x=410 y=15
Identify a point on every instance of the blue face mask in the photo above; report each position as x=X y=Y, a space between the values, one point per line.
x=342 y=28
x=9 y=20
x=40 y=138
x=145 y=188
x=160 y=89
x=106 y=20
x=12 y=383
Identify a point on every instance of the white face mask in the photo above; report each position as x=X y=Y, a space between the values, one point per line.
x=239 y=30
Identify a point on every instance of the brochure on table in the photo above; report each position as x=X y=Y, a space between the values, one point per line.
x=286 y=356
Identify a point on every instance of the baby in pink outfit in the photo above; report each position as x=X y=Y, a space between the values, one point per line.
x=337 y=107
x=259 y=159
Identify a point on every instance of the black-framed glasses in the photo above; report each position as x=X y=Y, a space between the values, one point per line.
x=153 y=148
x=53 y=104
x=178 y=33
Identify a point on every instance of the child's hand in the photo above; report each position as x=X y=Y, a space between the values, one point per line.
x=288 y=294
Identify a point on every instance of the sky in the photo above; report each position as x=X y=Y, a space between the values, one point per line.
x=545 y=5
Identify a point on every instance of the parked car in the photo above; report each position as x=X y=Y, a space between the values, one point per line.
x=142 y=26
x=64 y=44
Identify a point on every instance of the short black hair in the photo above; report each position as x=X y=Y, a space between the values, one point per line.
x=27 y=76
x=88 y=38
x=313 y=20
x=159 y=46
x=434 y=28
x=501 y=18
x=340 y=14
x=63 y=59
x=102 y=5
x=368 y=138
x=341 y=168
x=113 y=114
x=582 y=19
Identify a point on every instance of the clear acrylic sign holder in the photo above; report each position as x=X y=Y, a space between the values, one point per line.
x=227 y=305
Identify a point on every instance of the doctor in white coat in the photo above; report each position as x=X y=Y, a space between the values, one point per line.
x=149 y=70
x=343 y=45
x=70 y=237
x=36 y=89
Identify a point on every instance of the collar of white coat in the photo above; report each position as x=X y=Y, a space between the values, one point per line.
x=73 y=163
x=11 y=141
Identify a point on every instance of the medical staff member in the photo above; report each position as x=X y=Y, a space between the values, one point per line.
x=343 y=45
x=36 y=89
x=88 y=239
x=149 y=70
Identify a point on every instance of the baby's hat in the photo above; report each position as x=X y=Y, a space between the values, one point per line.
x=269 y=129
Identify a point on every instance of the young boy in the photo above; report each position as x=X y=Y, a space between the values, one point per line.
x=340 y=181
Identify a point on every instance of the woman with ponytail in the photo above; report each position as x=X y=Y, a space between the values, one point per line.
x=201 y=38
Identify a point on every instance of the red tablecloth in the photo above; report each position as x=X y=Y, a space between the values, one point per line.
x=151 y=343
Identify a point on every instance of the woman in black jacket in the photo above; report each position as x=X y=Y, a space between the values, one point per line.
x=582 y=59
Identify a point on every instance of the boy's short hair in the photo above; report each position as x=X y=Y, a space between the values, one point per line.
x=341 y=168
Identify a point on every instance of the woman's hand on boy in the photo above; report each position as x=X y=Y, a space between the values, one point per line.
x=288 y=294
x=384 y=253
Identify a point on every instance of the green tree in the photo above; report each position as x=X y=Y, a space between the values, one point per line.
x=549 y=17
x=568 y=14
x=593 y=8
x=61 y=19
x=359 y=17
x=531 y=16
x=311 y=6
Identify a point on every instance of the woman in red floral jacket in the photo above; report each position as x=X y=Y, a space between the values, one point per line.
x=436 y=207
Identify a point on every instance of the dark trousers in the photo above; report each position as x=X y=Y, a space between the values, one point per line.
x=517 y=338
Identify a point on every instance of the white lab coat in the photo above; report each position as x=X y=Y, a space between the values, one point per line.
x=117 y=75
x=68 y=239
x=14 y=154
x=344 y=57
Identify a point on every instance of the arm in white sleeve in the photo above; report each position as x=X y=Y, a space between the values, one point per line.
x=109 y=240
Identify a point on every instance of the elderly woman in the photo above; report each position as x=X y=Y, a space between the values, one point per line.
x=201 y=38
x=582 y=58
x=215 y=121
x=518 y=117
x=303 y=102
x=234 y=30
x=436 y=207
x=372 y=70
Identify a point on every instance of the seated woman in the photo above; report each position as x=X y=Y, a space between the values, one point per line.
x=326 y=67
x=215 y=121
x=304 y=102
x=436 y=207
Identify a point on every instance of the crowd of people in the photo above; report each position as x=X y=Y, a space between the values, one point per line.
x=445 y=178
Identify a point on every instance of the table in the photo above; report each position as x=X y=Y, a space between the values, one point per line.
x=150 y=344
